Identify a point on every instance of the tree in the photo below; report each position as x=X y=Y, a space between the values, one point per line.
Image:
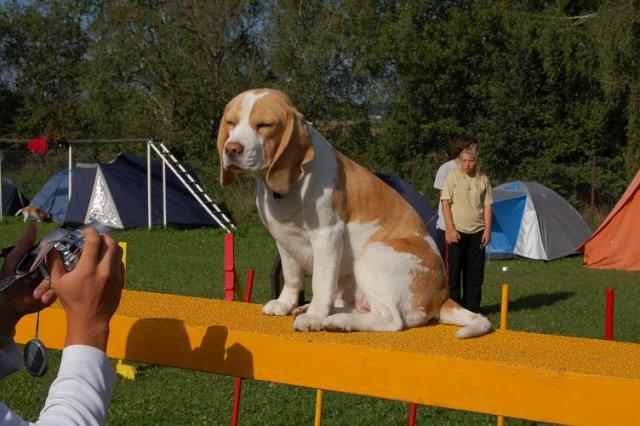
x=175 y=64
x=44 y=48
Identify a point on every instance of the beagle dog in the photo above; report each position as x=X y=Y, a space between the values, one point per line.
x=374 y=267
x=34 y=213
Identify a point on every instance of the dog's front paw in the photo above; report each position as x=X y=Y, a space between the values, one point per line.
x=275 y=307
x=337 y=322
x=306 y=322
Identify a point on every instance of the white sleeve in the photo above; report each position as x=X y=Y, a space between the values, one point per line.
x=81 y=393
x=442 y=173
x=438 y=183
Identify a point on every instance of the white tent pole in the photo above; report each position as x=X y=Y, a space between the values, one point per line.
x=164 y=193
x=149 y=184
x=1 y=201
x=69 y=177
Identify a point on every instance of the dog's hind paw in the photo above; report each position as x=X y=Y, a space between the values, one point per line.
x=306 y=322
x=275 y=307
x=337 y=322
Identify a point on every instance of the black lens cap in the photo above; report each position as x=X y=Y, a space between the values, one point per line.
x=35 y=358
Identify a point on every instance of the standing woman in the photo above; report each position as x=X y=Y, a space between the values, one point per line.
x=466 y=203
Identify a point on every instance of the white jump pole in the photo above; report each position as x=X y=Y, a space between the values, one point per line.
x=70 y=168
x=149 y=183
x=1 y=200
x=164 y=193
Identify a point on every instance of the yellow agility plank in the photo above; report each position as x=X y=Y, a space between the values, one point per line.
x=524 y=375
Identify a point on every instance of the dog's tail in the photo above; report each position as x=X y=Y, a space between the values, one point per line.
x=473 y=325
x=18 y=213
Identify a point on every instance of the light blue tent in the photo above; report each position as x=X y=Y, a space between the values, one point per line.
x=508 y=208
x=533 y=221
x=53 y=197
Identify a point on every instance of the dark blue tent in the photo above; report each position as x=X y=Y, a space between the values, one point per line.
x=53 y=197
x=12 y=198
x=414 y=197
x=115 y=194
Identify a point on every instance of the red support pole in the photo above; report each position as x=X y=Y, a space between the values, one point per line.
x=413 y=408
x=247 y=295
x=608 y=334
x=237 y=389
x=236 y=402
x=229 y=267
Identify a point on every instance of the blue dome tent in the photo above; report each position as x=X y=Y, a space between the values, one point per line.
x=53 y=197
x=12 y=198
x=533 y=221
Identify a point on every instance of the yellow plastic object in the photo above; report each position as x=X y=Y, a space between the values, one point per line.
x=123 y=245
x=125 y=370
x=504 y=307
x=318 y=418
x=546 y=378
x=504 y=311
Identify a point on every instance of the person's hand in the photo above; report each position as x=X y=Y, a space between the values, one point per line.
x=486 y=238
x=451 y=236
x=26 y=296
x=90 y=293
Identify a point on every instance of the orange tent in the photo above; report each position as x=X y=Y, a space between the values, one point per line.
x=614 y=245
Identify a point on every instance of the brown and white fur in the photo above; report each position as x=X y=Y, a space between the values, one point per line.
x=373 y=265
x=34 y=213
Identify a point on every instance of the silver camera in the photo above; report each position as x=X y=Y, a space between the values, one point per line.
x=68 y=243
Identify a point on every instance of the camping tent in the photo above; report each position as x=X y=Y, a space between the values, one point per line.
x=53 y=197
x=418 y=202
x=115 y=194
x=12 y=198
x=531 y=220
x=614 y=245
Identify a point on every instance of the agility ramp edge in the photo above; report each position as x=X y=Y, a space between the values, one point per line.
x=515 y=374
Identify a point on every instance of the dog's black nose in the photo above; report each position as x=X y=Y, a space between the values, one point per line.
x=233 y=148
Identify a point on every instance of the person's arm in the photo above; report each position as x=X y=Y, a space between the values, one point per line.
x=82 y=390
x=10 y=359
x=89 y=295
x=16 y=301
x=486 y=234
x=19 y=299
x=451 y=234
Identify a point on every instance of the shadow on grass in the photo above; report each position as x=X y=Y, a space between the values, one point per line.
x=531 y=301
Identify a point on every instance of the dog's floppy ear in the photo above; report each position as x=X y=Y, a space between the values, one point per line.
x=292 y=153
x=226 y=177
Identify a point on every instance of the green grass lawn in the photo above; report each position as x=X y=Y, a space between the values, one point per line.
x=559 y=297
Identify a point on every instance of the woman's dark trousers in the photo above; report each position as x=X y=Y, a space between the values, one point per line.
x=466 y=270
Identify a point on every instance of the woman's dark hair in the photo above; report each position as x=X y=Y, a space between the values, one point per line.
x=461 y=144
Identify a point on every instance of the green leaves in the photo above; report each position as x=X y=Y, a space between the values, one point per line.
x=542 y=85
